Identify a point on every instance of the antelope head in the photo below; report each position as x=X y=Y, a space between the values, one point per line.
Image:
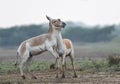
x=56 y=24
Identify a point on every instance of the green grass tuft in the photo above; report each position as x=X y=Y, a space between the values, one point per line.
x=86 y=65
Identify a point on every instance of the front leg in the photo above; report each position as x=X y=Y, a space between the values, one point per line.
x=53 y=66
x=55 y=54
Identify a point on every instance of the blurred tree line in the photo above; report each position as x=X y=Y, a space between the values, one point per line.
x=15 y=35
x=94 y=34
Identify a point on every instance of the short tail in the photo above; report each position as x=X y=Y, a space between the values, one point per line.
x=16 y=62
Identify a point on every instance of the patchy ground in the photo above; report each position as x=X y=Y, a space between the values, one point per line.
x=49 y=77
x=81 y=52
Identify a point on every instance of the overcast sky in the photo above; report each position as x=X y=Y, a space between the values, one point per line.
x=91 y=12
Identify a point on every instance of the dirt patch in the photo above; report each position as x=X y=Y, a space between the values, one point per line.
x=49 y=77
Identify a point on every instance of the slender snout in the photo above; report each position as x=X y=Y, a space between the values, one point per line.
x=64 y=24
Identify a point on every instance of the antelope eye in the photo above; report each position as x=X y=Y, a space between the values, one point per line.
x=59 y=20
x=54 y=21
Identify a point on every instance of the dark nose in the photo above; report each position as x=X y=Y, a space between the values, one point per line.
x=64 y=24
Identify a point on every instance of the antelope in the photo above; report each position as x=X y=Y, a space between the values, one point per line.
x=64 y=48
x=39 y=44
x=69 y=51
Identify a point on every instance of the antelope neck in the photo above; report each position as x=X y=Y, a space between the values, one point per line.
x=57 y=35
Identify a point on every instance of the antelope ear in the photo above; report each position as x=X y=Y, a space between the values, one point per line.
x=49 y=18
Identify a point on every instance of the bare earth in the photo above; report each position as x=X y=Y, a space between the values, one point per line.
x=49 y=77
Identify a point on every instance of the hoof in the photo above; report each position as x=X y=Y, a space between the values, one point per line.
x=52 y=66
x=57 y=76
x=23 y=77
x=75 y=76
x=33 y=77
x=63 y=76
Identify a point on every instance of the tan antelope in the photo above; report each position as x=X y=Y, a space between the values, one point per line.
x=41 y=43
x=64 y=48
x=69 y=51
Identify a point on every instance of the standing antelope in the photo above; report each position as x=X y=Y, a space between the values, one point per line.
x=41 y=43
x=69 y=51
x=64 y=48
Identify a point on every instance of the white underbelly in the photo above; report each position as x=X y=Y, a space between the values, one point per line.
x=37 y=49
x=40 y=48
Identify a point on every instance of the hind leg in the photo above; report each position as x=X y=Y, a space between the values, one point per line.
x=27 y=67
x=21 y=65
x=24 y=59
x=72 y=63
x=63 y=66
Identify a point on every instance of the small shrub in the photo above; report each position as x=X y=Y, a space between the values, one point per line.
x=92 y=65
x=113 y=60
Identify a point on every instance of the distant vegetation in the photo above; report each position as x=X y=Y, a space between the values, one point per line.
x=94 y=34
x=13 y=36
